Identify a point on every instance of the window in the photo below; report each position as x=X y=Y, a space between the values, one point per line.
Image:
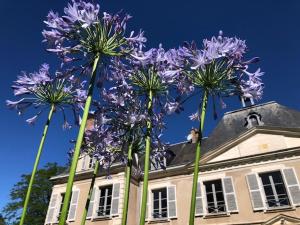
x=160 y=203
x=215 y=197
x=275 y=191
x=62 y=196
x=91 y=163
x=105 y=199
x=158 y=164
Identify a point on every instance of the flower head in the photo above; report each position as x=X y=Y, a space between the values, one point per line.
x=41 y=90
x=219 y=69
x=82 y=29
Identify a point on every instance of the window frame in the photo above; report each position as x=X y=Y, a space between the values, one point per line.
x=205 y=200
x=91 y=163
x=97 y=208
x=263 y=193
x=152 y=204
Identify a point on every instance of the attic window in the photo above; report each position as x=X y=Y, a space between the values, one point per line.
x=253 y=119
x=163 y=162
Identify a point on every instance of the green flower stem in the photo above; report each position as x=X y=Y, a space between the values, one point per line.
x=64 y=212
x=146 y=164
x=86 y=208
x=36 y=163
x=127 y=184
x=197 y=159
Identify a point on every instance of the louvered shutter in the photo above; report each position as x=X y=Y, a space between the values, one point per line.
x=73 y=205
x=83 y=165
x=91 y=205
x=147 y=205
x=115 y=199
x=51 y=209
x=229 y=193
x=96 y=203
x=292 y=185
x=255 y=193
x=172 y=213
x=57 y=208
x=199 y=200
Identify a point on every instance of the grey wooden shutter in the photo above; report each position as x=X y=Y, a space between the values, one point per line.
x=91 y=205
x=229 y=193
x=172 y=212
x=73 y=205
x=292 y=185
x=148 y=206
x=83 y=167
x=96 y=202
x=51 y=209
x=199 y=200
x=255 y=193
x=57 y=208
x=115 y=199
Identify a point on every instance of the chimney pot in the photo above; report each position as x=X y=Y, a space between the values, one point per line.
x=194 y=134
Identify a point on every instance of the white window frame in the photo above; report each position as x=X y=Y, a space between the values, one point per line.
x=152 y=203
x=98 y=191
x=263 y=193
x=91 y=163
x=205 y=202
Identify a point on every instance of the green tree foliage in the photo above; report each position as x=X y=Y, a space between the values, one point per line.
x=2 y=221
x=39 y=200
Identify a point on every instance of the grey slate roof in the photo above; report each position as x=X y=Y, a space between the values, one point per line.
x=233 y=124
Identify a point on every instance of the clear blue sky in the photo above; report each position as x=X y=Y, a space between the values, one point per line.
x=271 y=28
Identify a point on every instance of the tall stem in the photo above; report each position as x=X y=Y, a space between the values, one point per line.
x=36 y=163
x=127 y=184
x=86 y=208
x=64 y=212
x=147 y=158
x=197 y=159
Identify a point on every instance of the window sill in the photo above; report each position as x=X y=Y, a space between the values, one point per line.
x=162 y=220
x=279 y=209
x=100 y=218
x=215 y=215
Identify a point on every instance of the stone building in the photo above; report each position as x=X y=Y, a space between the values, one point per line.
x=249 y=174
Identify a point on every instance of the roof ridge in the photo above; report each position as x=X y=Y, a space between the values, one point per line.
x=250 y=107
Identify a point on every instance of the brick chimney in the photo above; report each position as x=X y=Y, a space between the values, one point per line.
x=90 y=122
x=193 y=136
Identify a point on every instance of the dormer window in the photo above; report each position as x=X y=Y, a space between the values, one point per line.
x=156 y=165
x=247 y=101
x=253 y=119
x=162 y=162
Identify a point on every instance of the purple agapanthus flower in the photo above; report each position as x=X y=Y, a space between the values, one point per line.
x=41 y=90
x=84 y=29
x=219 y=69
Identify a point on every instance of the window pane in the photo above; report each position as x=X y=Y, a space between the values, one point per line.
x=155 y=194
x=164 y=203
x=164 y=193
x=265 y=178
x=280 y=189
x=208 y=187
x=218 y=185
x=210 y=197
